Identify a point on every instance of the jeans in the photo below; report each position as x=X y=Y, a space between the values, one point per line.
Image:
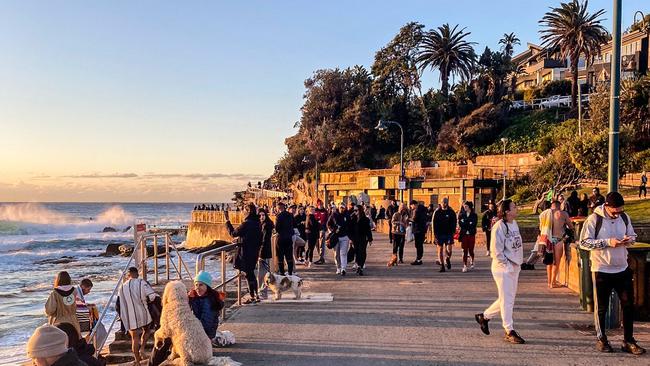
x=419 y=245
x=398 y=246
x=507 y=279
x=341 y=251
x=620 y=282
x=264 y=267
x=321 y=245
x=284 y=252
x=488 y=239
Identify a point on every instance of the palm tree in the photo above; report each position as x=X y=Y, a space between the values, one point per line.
x=447 y=50
x=572 y=31
x=509 y=41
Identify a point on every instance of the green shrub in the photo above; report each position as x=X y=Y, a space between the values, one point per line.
x=556 y=87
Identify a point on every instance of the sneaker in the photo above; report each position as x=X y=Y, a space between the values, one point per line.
x=513 y=337
x=464 y=268
x=342 y=272
x=360 y=272
x=483 y=322
x=604 y=346
x=401 y=261
x=320 y=261
x=338 y=271
x=632 y=347
x=471 y=266
x=448 y=263
x=354 y=267
x=442 y=268
x=416 y=262
x=437 y=262
x=487 y=254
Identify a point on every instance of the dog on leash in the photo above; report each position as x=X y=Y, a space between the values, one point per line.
x=392 y=261
x=279 y=284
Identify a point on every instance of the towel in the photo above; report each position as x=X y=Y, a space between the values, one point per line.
x=545 y=229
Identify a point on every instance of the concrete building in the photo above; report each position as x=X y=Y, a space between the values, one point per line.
x=539 y=66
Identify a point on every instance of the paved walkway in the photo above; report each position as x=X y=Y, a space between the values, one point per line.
x=413 y=315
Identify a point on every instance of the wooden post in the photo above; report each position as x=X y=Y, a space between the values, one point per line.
x=143 y=252
x=223 y=281
x=167 y=258
x=155 y=258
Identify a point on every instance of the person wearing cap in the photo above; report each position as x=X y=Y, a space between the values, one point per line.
x=606 y=234
x=339 y=223
x=205 y=303
x=48 y=346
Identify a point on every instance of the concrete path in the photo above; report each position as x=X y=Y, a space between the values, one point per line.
x=413 y=315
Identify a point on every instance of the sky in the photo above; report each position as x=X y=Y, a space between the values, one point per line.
x=161 y=101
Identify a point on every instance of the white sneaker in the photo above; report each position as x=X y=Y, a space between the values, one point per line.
x=338 y=271
x=308 y=264
x=464 y=268
x=487 y=254
x=354 y=267
x=471 y=266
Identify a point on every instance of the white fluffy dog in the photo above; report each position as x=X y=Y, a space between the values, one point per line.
x=190 y=344
x=279 y=284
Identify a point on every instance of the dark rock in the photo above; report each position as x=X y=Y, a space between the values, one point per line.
x=112 y=249
x=62 y=260
x=126 y=229
x=109 y=229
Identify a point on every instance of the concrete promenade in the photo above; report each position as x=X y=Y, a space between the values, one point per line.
x=413 y=315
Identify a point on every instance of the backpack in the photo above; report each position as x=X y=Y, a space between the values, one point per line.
x=599 y=223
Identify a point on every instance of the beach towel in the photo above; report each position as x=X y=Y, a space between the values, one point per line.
x=545 y=229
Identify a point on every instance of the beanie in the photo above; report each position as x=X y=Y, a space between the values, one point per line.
x=47 y=341
x=204 y=277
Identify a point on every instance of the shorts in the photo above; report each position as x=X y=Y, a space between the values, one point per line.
x=468 y=241
x=444 y=239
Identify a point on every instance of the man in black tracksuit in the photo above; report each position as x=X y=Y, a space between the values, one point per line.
x=419 y=221
x=284 y=245
x=444 y=227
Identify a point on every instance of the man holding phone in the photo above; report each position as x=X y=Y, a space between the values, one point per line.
x=607 y=233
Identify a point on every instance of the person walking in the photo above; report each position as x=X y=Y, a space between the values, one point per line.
x=338 y=224
x=488 y=219
x=249 y=233
x=266 y=253
x=574 y=204
x=467 y=221
x=134 y=295
x=399 y=222
x=642 y=186
x=321 y=215
x=61 y=306
x=362 y=237
x=390 y=211
x=419 y=222
x=596 y=199
x=299 y=223
x=606 y=234
x=507 y=255
x=312 y=232
x=583 y=210
x=444 y=227
x=560 y=222
x=284 y=245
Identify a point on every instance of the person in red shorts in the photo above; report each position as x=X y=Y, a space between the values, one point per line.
x=467 y=221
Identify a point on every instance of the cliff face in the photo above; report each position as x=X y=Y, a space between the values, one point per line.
x=201 y=234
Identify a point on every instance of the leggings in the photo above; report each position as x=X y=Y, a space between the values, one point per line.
x=468 y=242
x=360 y=250
x=311 y=245
x=251 y=278
x=398 y=246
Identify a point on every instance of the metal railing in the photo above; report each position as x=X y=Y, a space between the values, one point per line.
x=200 y=266
x=140 y=257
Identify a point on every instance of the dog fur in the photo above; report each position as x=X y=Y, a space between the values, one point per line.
x=279 y=284
x=190 y=344
x=392 y=261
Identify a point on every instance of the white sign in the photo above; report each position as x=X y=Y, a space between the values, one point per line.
x=401 y=184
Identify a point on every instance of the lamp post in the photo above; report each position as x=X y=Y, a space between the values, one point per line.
x=306 y=160
x=383 y=126
x=505 y=171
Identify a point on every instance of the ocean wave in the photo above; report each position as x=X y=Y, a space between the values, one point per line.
x=41 y=243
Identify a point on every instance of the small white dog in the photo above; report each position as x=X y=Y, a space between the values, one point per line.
x=279 y=284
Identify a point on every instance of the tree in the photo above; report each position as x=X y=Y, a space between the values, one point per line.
x=447 y=50
x=509 y=41
x=573 y=32
x=494 y=67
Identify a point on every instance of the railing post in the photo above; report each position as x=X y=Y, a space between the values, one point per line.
x=223 y=280
x=155 y=258
x=167 y=258
x=144 y=258
x=238 y=287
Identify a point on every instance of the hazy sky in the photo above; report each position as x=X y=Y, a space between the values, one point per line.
x=187 y=101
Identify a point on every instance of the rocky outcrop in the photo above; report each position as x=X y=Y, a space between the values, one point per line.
x=109 y=229
x=112 y=249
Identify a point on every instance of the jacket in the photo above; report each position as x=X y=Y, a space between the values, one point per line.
x=444 y=222
x=206 y=308
x=267 y=234
x=467 y=223
x=61 y=307
x=361 y=230
x=284 y=227
x=605 y=258
x=69 y=359
x=399 y=222
x=299 y=223
x=321 y=216
x=250 y=234
x=86 y=353
x=338 y=223
x=419 y=220
x=312 y=228
x=507 y=247
x=486 y=220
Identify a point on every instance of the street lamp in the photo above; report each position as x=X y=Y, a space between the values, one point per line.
x=305 y=160
x=383 y=126
x=505 y=142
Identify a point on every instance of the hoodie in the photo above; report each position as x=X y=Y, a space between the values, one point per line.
x=61 y=307
x=605 y=258
x=507 y=246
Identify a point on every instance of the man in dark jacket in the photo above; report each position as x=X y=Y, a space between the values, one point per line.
x=390 y=211
x=486 y=224
x=419 y=226
x=444 y=227
x=249 y=233
x=284 y=245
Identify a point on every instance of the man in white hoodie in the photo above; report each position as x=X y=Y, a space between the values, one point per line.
x=606 y=234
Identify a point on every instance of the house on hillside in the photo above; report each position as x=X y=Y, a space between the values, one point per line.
x=540 y=65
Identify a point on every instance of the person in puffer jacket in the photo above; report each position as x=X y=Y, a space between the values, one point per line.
x=606 y=234
x=205 y=303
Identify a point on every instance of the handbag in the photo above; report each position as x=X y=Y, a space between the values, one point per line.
x=409 y=234
x=457 y=234
x=331 y=240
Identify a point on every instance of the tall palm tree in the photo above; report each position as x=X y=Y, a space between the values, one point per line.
x=509 y=41
x=446 y=49
x=572 y=31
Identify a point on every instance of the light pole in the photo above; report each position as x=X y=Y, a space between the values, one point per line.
x=383 y=126
x=306 y=160
x=505 y=172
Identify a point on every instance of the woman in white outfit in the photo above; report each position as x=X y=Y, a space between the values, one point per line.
x=507 y=256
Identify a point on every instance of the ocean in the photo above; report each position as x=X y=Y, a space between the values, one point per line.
x=34 y=235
